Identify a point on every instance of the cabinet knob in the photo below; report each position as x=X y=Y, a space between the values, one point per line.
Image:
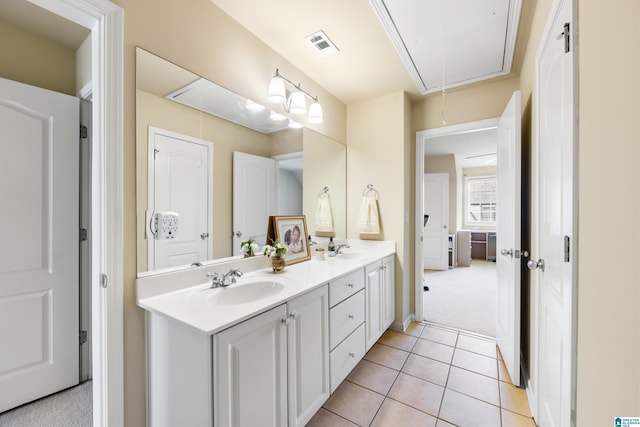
x=295 y=315
x=352 y=355
x=351 y=316
x=350 y=285
x=285 y=321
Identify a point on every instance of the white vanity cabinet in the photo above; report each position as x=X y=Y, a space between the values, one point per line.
x=380 y=298
x=268 y=362
x=346 y=324
x=273 y=369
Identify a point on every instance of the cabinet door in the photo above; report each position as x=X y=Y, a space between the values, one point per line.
x=373 y=298
x=389 y=287
x=250 y=373
x=308 y=355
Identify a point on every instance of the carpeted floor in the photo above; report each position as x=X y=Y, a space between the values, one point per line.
x=69 y=408
x=463 y=297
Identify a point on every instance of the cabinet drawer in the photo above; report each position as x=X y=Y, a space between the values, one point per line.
x=346 y=356
x=345 y=317
x=345 y=286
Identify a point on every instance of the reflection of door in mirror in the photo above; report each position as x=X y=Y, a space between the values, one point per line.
x=254 y=189
x=289 y=183
x=180 y=171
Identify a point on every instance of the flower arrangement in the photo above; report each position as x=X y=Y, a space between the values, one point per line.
x=277 y=250
x=249 y=247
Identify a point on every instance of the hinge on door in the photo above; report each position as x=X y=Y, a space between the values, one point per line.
x=83 y=337
x=84 y=132
x=155 y=153
x=83 y=234
x=567 y=38
x=567 y=248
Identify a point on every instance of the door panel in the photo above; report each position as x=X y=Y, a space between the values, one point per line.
x=436 y=232
x=556 y=220
x=39 y=254
x=508 y=259
x=181 y=168
x=254 y=197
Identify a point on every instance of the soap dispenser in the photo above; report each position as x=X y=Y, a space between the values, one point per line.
x=331 y=247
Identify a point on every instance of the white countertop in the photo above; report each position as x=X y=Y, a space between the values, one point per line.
x=183 y=295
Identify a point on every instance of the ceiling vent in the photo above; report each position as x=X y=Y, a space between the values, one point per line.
x=321 y=43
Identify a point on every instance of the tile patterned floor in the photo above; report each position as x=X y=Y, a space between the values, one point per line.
x=428 y=376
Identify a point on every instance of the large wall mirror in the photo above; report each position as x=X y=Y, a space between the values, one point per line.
x=189 y=133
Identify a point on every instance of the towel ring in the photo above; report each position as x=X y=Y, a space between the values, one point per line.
x=369 y=189
x=324 y=191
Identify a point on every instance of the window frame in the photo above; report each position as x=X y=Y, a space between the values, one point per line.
x=467 y=221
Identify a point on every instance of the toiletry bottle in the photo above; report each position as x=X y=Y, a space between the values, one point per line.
x=331 y=247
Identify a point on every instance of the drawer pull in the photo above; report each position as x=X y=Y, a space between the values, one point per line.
x=352 y=355
x=295 y=315
x=351 y=316
x=350 y=285
x=285 y=321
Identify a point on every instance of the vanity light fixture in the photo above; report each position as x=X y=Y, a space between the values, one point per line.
x=294 y=101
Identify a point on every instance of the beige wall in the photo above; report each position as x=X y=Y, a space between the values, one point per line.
x=381 y=140
x=319 y=149
x=609 y=205
x=447 y=164
x=33 y=60
x=378 y=154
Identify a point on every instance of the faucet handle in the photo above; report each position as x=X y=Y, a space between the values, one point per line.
x=213 y=275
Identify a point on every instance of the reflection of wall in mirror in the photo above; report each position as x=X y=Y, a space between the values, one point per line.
x=227 y=137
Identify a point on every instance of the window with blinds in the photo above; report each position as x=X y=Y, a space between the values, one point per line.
x=480 y=200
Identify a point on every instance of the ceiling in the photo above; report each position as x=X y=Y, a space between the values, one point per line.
x=472 y=149
x=386 y=46
x=383 y=46
x=37 y=20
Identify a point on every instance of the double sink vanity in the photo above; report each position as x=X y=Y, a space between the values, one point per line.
x=269 y=349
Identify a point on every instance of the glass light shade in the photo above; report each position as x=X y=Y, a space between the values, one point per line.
x=297 y=103
x=315 y=113
x=277 y=93
x=276 y=117
x=294 y=125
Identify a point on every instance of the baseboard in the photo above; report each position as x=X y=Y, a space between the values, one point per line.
x=404 y=325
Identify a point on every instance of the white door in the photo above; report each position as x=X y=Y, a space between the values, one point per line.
x=508 y=256
x=254 y=197
x=39 y=249
x=436 y=232
x=181 y=181
x=556 y=226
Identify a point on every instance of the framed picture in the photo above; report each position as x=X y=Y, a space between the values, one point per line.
x=292 y=231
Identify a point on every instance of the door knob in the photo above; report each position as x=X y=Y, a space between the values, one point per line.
x=236 y=233
x=204 y=235
x=533 y=264
x=507 y=252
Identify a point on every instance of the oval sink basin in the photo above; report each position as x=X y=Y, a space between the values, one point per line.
x=245 y=291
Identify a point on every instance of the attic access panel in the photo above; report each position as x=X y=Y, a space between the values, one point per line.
x=451 y=42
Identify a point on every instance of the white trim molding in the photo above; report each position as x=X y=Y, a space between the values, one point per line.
x=106 y=22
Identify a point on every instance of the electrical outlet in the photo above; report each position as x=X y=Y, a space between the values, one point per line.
x=165 y=225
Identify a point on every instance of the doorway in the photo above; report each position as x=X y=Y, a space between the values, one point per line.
x=105 y=22
x=461 y=294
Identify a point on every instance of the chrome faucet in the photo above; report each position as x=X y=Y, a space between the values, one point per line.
x=340 y=247
x=220 y=281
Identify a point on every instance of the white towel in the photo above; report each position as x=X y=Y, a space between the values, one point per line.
x=369 y=219
x=324 y=216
